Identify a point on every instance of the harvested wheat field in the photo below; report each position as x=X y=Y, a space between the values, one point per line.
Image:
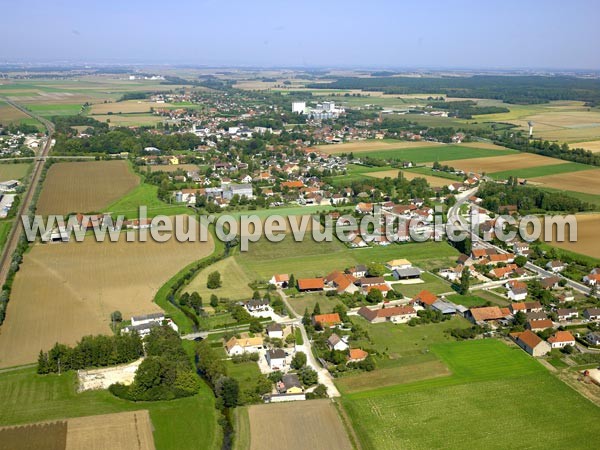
x=119 y=431
x=85 y=186
x=9 y=114
x=173 y=168
x=65 y=291
x=365 y=146
x=393 y=173
x=311 y=424
x=587 y=236
x=593 y=146
x=587 y=181
x=502 y=163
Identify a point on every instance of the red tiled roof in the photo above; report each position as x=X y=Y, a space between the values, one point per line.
x=426 y=297
x=327 y=319
x=310 y=283
x=561 y=336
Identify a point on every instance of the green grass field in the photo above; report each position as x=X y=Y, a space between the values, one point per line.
x=432 y=283
x=308 y=301
x=13 y=171
x=434 y=153
x=26 y=397
x=145 y=195
x=533 y=172
x=59 y=109
x=309 y=258
x=497 y=397
x=423 y=170
x=468 y=301
x=233 y=278
x=5 y=227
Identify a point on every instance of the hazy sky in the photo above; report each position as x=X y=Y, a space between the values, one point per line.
x=371 y=33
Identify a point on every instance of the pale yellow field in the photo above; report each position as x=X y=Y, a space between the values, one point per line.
x=587 y=181
x=593 y=146
x=173 y=168
x=234 y=281
x=587 y=236
x=131 y=120
x=119 y=431
x=130 y=106
x=501 y=163
x=393 y=173
x=313 y=424
x=65 y=291
x=365 y=146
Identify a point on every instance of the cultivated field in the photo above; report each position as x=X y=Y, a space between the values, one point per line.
x=587 y=181
x=10 y=114
x=370 y=145
x=312 y=424
x=129 y=120
x=85 y=186
x=49 y=436
x=502 y=163
x=131 y=106
x=432 y=152
x=492 y=400
x=65 y=291
x=587 y=236
x=120 y=431
x=13 y=171
x=541 y=171
x=593 y=146
x=171 y=168
x=393 y=173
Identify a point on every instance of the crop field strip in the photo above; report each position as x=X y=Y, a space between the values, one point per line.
x=440 y=152
x=541 y=171
x=66 y=291
x=488 y=379
x=586 y=181
x=85 y=186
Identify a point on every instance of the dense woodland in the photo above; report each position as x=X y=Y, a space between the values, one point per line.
x=527 y=199
x=510 y=89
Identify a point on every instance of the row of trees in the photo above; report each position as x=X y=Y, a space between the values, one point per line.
x=91 y=351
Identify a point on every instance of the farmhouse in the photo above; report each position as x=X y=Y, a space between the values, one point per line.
x=336 y=343
x=395 y=314
x=235 y=346
x=289 y=384
x=327 y=320
x=486 y=314
x=592 y=313
x=341 y=282
x=280 y=280
x=526 y=307
x=517 y=290
x=383 y=288
x=539 y=325
x=147 y=318
x=275 y=331
x=310 y=284
x=561 y=339
x=531 y=343
x=593 y=337
x=425 y=298
x=276 y=358
x=566 y=313
x=356 y=355
x=142 y=329
x=256 y=305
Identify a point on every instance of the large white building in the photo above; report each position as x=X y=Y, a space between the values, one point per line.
x=298 y=107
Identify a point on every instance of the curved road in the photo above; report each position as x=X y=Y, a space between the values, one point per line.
x=13 y=237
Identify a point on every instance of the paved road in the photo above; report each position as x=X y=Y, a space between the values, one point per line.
x=13 y=237
x=454 y=214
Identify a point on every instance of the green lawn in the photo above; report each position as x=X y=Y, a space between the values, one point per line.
x=430 y=172
x=308 y=301
x=13 y=171
x=541 y=171
x=60 y=109
x=432 y=283
x=233 y=278
x=468 y=301
x=434 y=153
x=5 y=227
x=26 y=397
x=309 y=258
x=145 y=195
x=497 y=397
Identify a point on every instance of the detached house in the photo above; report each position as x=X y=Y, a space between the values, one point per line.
x=235 y=346
x=561 y=339
x=275 y=358
x=336 y=343
x=280 y=280
x=567 y=313
x=531 y=343
x=425 y=298
x=394 y=314
x=327 y=320
x=517 y=290
x=592 y=314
